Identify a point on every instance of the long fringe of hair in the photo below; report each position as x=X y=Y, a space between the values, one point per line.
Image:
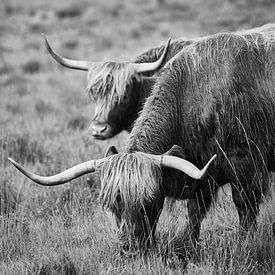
x=130 y=181
x=110 y=80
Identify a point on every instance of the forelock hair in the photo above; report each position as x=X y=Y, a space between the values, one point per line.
x=130 y=181
x=110 y=79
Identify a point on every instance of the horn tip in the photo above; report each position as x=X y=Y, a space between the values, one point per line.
x=43 y=35
x=211 y=160
x=46 y=42
x=12 y=161
x=45 y=38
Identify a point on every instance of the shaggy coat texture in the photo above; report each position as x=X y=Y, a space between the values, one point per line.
x=154 y=54
x=119 y=92
x=215 y=97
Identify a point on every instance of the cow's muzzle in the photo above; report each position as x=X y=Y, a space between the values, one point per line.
x=101 y=130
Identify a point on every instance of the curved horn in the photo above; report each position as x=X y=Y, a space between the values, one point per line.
x=152 y=66
x=183 y=165
x=69 y=63
x=63 y=177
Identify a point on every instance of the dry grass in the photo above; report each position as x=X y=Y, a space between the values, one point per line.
x=44 y=115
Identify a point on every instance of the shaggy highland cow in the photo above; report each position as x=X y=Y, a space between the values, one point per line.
x=119 y=89
x=215 y=97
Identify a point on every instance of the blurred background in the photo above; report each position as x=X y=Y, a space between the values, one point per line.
x=45 y=110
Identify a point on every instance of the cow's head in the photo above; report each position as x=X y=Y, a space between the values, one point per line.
x=131 y=188
x=114 y=88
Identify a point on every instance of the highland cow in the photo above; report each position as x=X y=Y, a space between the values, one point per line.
x=119 y=89
x=216 y=97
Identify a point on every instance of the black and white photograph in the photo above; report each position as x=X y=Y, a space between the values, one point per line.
x=137 y=137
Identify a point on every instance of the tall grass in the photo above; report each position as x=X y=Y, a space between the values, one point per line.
x=65 y=232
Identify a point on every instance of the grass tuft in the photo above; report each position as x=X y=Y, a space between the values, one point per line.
x=61 y=265
x=42 y=108
x=69 y=12
x=78 y=123
x=14 y=108
x=72 y=44
x=31 y=67
x=5 y=69
x=9 y=199
x=22 y=147
x=11 y=9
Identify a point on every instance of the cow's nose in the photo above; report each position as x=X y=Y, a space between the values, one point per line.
x=100 y=130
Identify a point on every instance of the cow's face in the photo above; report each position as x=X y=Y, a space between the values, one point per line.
x=137 y=228
x=131 y=190
x=113 y=87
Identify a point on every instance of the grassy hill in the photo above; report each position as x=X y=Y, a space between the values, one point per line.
x=44 y=116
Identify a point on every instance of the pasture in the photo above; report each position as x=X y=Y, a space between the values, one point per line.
x=44 y=116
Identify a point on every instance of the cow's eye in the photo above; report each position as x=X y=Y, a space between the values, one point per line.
x=109 y=79
x=115 y=103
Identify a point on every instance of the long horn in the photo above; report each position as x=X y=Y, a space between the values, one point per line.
x=152 y=66
x=63 y=177
x=183 y=165
x=69 y=63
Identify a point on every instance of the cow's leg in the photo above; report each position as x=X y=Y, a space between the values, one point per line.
x=248 y=190
x=197 y=209
x=249 y=177
x=246 y=197
x=184 y=244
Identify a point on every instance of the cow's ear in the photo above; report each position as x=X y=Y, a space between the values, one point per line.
x=176 y=151
x=112 y=150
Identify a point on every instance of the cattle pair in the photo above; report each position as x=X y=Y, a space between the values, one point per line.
x=215 y=97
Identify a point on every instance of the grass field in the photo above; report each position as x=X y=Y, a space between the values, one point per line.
x=44 y=117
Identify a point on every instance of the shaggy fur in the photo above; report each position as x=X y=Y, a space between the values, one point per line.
x=217 y=96
x=110 y=80
x=130 y=191
x=233 y=83
x=154 y=54
x=119 y=91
